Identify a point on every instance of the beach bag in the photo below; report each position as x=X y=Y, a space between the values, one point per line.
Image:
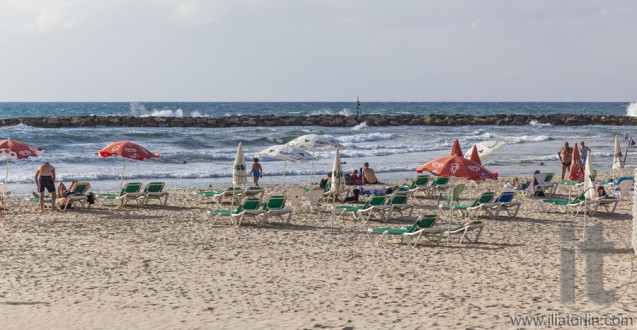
x=90 y=198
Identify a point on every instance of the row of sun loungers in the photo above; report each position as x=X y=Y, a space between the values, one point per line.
x=130 y=192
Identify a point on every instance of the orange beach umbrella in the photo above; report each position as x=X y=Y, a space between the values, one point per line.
x=126 y=149
x=457 y=166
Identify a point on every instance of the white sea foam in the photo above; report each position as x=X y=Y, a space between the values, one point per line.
x=631 y=110
x=196 y=114
x=537 y=123
x=165 y=113
x=345 y=112
x=526 y=138
x=358 y=138
x=359 y=126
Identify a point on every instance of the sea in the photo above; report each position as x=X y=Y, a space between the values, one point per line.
x=203 y=157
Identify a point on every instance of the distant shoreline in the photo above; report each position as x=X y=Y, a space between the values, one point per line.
x=324 y=120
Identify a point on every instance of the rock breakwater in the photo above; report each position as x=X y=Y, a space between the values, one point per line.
x=321 y=120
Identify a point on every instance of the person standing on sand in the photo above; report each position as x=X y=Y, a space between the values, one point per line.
x=566 y=155
x=583 y=152
x=256 y=172
x=45 y=178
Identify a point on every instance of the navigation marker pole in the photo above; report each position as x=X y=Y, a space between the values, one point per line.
x=358 y=109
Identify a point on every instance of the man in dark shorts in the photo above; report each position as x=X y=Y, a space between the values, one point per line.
x=45 y=179
x=566 y=155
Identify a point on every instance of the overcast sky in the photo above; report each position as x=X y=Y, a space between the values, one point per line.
x=311 y=50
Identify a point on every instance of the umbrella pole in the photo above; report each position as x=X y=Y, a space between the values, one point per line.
x=6 y=177
x=284 y=166
x=450 y=210
x=121 y=181
x=312 y=171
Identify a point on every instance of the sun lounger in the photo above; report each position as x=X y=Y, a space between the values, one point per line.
x=574 y=206
x=464 y=230
x=609 y=203
x=219 y=195
x=250 y=206
x=503 y=202
x=471 y=210
x=453 y=196
x=418 y=184
x=571 y=186
x=423 y=221
x=541 y=182
x=253 y=192
x=398 y=202
x=155 y=190
x=130 y=191
x=440 y=184
x=276 y=206
x=312 y=199
x=375 y=204
x=77 y=195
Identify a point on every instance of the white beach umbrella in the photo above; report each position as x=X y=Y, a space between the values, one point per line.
x=486 y=149
x=239 y=176
x=286 y=153
x=589 y=185
x=618 y=159
x=313 y=142
x=338 y=177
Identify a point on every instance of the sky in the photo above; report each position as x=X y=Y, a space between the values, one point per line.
x=318 y=50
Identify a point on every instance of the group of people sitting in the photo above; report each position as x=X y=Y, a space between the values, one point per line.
x=367 y=176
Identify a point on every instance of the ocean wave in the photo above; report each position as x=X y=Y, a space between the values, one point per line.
x=358 y=138
x=526 y=138
x=360 y=126
x=631 y=109
x=537 y=123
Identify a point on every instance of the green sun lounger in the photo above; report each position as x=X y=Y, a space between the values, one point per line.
x=424 y=221
x=250 y=206
x=375 y=203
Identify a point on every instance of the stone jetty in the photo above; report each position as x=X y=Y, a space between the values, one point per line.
x=321 y=120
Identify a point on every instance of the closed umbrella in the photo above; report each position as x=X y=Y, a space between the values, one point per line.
x=286 y=153
x=126 y=149
x=338 y=178
x=239 y=176
x=589 y=177
x=474 y=155
x=576 y=171
x=313 y=142
x=618 y=157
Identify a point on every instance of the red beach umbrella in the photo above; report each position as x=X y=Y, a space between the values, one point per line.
x=12 y=149
x=474 y=155
x=126 y=149
x=576 y=171
x=457 y=166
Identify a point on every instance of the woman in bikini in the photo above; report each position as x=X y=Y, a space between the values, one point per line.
x=256 y=171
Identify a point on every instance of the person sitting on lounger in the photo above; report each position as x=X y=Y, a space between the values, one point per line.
x=367 y=175
x=601 y=192
x=325 y=180
x=61 y=190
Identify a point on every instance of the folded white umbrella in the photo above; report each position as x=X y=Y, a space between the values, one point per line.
x=338 y=177
x=239 y=176
x=589 y=185
x=286 y=153
x=313 y=142
x=618 y=159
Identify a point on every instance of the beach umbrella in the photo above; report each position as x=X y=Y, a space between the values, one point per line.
x=338 y=178
x=576 y=171
x=286 y=153
x=474 y=155
x=313 y=142
x=589 y=177
x=457 y=166
x=11 y=149
x=486 y=148
x=239 y=176
x=618 y=158
x=126 y=149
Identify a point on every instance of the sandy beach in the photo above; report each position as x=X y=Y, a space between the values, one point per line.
x=167 y=267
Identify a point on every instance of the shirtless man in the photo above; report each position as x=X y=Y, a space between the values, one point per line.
x=368 y=175
x=45 y=178
x=566 y=155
